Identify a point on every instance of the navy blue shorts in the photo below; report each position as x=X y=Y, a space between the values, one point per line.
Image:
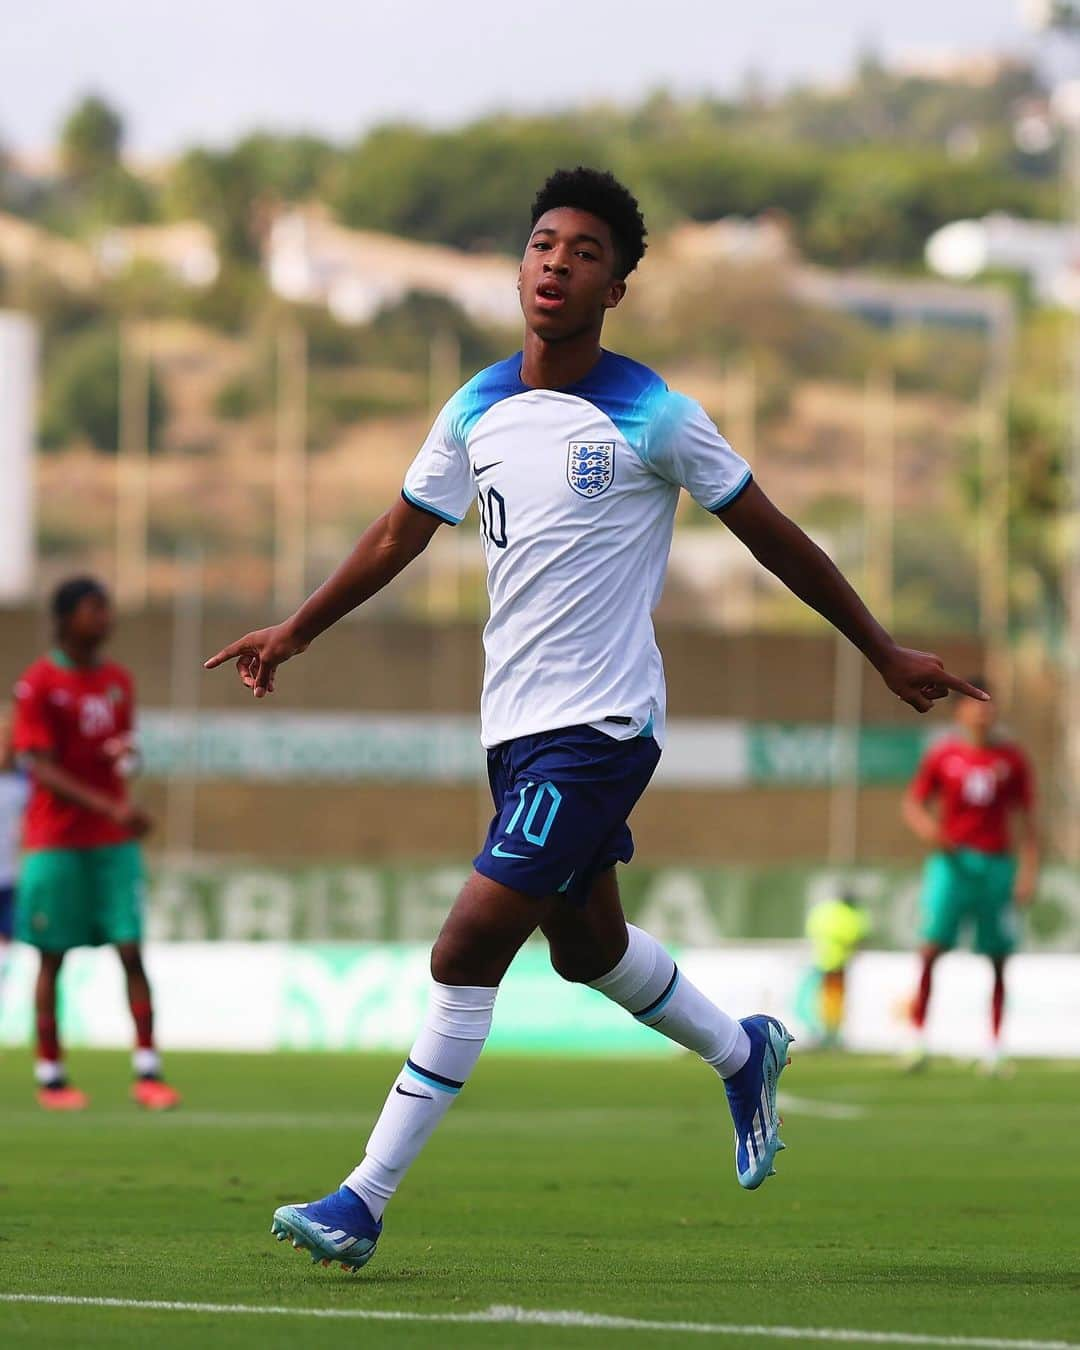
x=7 y=911
x=562 y=799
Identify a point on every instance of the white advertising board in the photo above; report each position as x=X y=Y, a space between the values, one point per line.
x=271 y=996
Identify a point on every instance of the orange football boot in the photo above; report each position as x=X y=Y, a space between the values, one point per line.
x=62 y=1097
x=154 y=1094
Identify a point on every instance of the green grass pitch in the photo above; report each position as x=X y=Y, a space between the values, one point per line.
x=945 y=1205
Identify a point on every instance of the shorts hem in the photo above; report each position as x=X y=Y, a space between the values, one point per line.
x=490 y=874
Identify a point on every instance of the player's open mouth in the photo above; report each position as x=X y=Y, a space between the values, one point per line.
x=549 y=296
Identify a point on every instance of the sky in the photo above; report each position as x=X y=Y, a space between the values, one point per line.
x=206 y=71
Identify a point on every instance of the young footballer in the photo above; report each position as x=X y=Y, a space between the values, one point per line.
x=575 y=457
x=82 y=876
x=972 y=803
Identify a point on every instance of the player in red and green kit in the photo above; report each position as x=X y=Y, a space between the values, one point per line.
x=82 y=875
x=985 y=852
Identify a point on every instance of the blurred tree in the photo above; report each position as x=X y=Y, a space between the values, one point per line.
x=221 y=188
x=82 y=393
x=471 y=189
x=292 y=168
x=90 y=138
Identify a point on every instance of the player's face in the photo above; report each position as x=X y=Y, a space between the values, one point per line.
x=567 y=277
x=90 y=623
x=976 y=718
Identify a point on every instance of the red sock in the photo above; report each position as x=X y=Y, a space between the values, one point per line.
x=997 y=1003
x=143 y=1013
x=48 y=1043
x=922 y=998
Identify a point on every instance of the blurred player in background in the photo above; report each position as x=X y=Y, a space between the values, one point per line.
x=984 y=860
x=836 y=929
x=82 y=876
x=576 y=457
x=13 y=794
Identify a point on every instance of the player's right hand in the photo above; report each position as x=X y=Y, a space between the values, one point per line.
x=132 y=818
x=258 y=656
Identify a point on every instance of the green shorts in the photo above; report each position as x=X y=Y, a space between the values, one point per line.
x=80 y=897
x=966 y=887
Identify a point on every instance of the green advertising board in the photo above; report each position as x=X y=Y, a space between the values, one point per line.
x=695 y=907
x=444 y=748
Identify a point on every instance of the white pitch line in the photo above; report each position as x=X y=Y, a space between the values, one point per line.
x=497 y=1315
x=810 y=1106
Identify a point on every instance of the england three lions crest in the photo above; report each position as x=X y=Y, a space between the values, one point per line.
x=590 y=467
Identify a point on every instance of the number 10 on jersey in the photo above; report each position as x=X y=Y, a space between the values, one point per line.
x=492 y=516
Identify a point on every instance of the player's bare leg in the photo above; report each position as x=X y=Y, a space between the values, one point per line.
x=481 y=936
x=594 y=945
x=994 y=1062
x=149 y=1089
x=918 y=1057
x=832 y=1006
x=54 y=1093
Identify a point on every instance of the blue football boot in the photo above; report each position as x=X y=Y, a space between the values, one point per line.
x=339 y=1227
x=751 y=1096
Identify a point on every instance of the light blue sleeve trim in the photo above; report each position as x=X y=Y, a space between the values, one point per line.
x=432 y=510
x=729 y=497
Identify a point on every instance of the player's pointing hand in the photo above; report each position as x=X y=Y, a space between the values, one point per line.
x=920 y=678
x=258 y=656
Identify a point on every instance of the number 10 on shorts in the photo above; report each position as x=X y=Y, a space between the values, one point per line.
x=539 y=804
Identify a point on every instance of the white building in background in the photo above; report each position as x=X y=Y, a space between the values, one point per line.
x=18 y=399
x=1046 y=252
x=186 y=251
x=309 y=259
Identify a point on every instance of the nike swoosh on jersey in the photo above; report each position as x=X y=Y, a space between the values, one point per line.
x=499 y=852
x=424 y=1096
x=480 y=469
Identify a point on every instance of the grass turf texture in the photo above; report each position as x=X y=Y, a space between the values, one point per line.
x=950 y=1207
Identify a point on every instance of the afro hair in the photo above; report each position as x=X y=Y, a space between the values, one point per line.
x=601 y=195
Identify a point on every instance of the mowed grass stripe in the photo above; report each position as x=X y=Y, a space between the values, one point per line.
x=563 y=1319
x=939 y=1217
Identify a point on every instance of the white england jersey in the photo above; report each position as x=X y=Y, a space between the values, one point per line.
x=14 y=791
x=577 y=490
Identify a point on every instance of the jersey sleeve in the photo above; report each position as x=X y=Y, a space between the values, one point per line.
x=32 y=729
x=927 y=780
x=685 y=447
x=439 y=479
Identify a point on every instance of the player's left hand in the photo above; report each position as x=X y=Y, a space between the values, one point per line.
x=920 y=678
x=258 y=656
x=1024 y=892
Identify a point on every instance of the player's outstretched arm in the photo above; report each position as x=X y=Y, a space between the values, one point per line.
x=919 y=678
x=382 y=551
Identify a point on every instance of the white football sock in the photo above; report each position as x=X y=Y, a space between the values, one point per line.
x=456 y=1026
x=146 y=1062
x=48 y=1072
x=649 y=984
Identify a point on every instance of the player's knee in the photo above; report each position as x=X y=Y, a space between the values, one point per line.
x=457 y=959
x=577 y=965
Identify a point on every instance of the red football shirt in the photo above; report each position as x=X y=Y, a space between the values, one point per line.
x=70 y=713
x=978 y=786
